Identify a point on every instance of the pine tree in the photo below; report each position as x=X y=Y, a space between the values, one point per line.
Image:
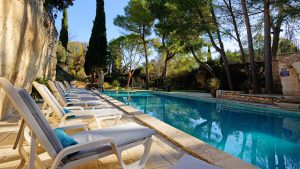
x=64 y=37
x=96 y=57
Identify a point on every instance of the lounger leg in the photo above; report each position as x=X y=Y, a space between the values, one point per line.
x=21 y=164
x=117 y=119
x=138 y=164
x=98 y=121
x=147 y=147
x=32 y=151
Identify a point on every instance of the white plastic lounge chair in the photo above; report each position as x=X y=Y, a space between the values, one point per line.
x=74 y=93
x=88 y=146
x=68 y=86
x=66 y=101
x=97 y=114
x=73 y=89
x=190 y=162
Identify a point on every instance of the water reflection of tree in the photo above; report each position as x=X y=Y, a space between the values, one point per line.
x=255 y=132
x=265 y=153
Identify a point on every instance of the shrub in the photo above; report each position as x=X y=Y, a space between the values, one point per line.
x=106 y=85
x=214 y=83
x=115 y=84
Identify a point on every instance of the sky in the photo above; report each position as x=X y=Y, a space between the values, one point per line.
x=82 y=14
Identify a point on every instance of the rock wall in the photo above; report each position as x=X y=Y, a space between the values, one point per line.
x=287 y=70
x=238 y=96
x=27 y=45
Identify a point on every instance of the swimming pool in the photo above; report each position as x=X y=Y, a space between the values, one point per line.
x=265 y=137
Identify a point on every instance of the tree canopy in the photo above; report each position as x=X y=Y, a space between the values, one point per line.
x=96 y=57
x=64 y=33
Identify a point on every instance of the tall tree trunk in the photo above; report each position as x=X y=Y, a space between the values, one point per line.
x=276 y=36
x=128 y=79
x=220 y=49
x=93 y=78
x=146 y=58
x=206 y=66
x=250 y=46
x=238 y=37
x=164 y=72
x=101 y=75
x=267 y=47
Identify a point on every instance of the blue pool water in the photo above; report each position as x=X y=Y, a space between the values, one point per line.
x=265 y=137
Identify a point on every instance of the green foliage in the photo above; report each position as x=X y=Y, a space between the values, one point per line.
x=139 y=21
x=76 y=59
x=287 y=46
x=106 y=85
x=181 y=64
x=233 y=57
x=127 y=52
x=52 y=6
x=42 y=80
x=115 y=84
x=74 y=64
x=137 y=18
x=96 y=57
x=214 y=83
x=63 y=36
x=61 y=54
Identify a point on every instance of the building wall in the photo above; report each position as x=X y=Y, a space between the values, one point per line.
x=27 y=45
x=287 y=71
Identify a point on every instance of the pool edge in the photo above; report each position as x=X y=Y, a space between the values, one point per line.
x=190 y=144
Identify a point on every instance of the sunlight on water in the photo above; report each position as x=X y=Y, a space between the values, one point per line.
x=265 y=137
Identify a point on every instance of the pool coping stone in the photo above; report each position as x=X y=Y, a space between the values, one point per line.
x=190 y=144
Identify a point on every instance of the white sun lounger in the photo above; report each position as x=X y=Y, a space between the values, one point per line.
x=91 y=146
x=68 y=86
x=65 y=101
x=190 y=162
x=97 y=114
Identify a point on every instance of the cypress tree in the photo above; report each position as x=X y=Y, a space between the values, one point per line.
x=96 y=57
x=64 y=37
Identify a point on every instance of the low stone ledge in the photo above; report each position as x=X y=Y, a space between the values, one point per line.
x=238 y=96
x=190 y=144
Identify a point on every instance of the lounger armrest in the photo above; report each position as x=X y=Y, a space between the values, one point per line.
x=73 y=97
x=74 y=108
x=77 y=114
x=73 y=100
x=72 y=114
x=85 y=103
x=71 y=92
x=77 y=103
x=72 y=127
x=83 y=146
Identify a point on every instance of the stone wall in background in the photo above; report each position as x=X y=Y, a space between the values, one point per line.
x=27 y=45
x=286 y=70
x=238 y=96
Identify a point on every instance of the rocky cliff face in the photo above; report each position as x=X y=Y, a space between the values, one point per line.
x=27 y=45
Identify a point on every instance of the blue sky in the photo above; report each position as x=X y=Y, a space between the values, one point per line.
x=82 y=14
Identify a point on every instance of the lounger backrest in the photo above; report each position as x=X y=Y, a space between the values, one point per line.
x=49 y=99
x=67 y=85
x=61 y=86
x=60 y=97
x=59 y=89
x=33 y=117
